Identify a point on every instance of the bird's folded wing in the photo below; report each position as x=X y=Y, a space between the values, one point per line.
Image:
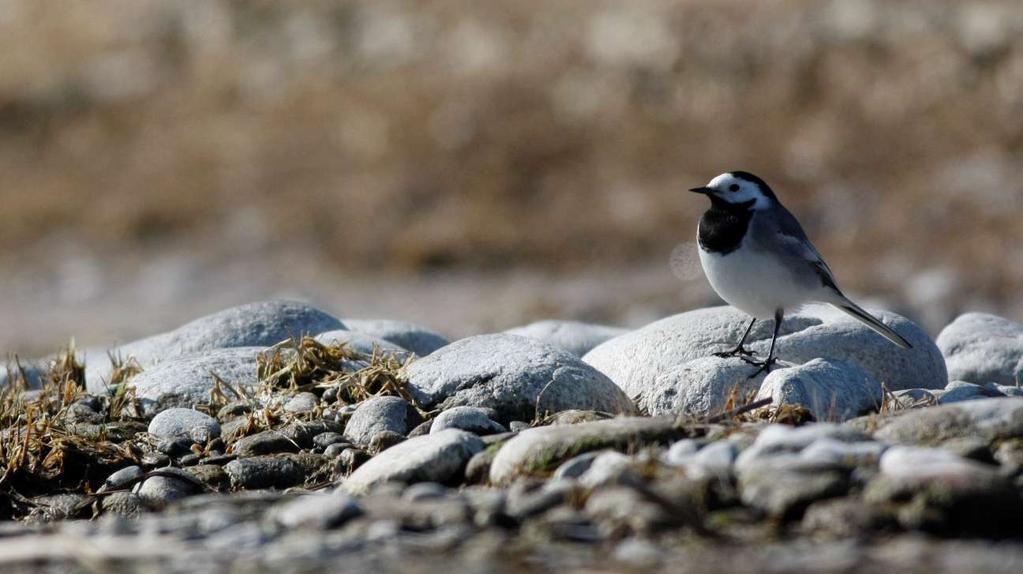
x=782 y=233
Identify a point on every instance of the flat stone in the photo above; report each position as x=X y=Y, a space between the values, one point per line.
x=515 y=376
x=381 y=414
x=987 y=419
x=416 y=338
x=260 y=324
x=178 y=422
x=982 y=348
x=470 y=419
x=572 y=336
x=186 y=381
x=542 y=449
x=437 y=457
x=831 y=390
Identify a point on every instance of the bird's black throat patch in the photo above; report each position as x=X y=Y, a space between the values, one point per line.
x=724 y=225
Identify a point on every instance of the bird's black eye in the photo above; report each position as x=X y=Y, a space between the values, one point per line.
x=733 y=187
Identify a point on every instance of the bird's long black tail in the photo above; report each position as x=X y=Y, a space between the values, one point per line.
x=857 y=312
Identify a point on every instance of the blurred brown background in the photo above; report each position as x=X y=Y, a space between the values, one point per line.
x=473 y=165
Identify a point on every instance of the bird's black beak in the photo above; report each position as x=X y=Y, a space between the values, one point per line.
x=703 y=190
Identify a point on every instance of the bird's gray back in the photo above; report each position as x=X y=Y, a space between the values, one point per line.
x=776 y=230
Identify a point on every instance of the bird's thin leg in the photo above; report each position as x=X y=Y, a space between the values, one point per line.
x=766 y=365
x=739 y=349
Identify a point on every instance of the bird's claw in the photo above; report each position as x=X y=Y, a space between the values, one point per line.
x=740 y=352
x=764 y=366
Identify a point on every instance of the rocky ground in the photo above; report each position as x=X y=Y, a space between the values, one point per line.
x=275 y=436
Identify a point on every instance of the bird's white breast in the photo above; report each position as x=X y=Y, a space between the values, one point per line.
x=752 y=281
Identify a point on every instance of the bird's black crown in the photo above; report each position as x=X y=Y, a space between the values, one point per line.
x=747 y=176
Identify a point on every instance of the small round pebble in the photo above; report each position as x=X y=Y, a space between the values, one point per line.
x=176 y=422
x=301 y=403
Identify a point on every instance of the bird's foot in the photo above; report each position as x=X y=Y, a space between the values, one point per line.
x=740 y=351
x=764 y=366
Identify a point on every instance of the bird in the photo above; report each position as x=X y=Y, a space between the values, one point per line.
x=757 y=258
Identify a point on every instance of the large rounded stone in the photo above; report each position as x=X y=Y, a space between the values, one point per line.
x=700 y=387
x=439 y=457
x=187 y=381
x=981 y=348
x=415 y=338
x=362 y=343
x=253 y=325
x=635 y=359
x=575 y=337
x=830 y=390
x=515 y=376
x=838 y=336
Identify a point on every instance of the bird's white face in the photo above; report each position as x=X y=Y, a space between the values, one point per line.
x=735 y=189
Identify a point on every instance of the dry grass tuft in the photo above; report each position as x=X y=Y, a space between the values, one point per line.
x=337 y=374
x=309 y=365
x=42 y=447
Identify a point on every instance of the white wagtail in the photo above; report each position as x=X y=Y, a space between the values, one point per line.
x=759 y=260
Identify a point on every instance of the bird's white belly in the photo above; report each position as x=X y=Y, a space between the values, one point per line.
x=752 y=282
